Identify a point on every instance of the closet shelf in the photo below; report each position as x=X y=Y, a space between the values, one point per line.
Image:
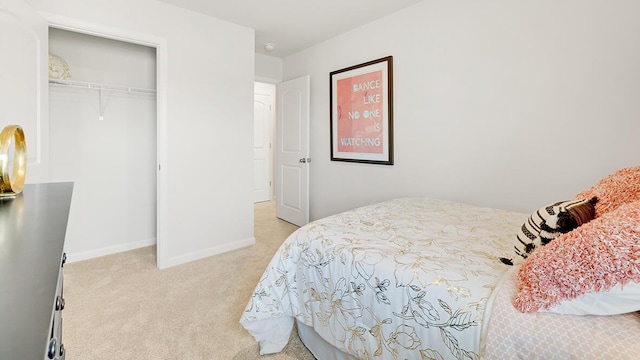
x=97 y=86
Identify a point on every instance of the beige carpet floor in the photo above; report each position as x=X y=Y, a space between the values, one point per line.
x=122 y=307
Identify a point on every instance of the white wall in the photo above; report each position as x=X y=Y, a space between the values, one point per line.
x=24 y=54
x=497 y=103
x=105 y=158
x=268 y=69
x=209 y=119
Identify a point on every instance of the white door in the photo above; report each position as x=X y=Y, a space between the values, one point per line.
x=263 y=111
x=292 y=156
x=24 y=76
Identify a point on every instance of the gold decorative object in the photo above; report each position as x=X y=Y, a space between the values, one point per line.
x=58 y=68
x=11 y=183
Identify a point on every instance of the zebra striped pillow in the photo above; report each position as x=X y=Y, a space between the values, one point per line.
x=549 y=222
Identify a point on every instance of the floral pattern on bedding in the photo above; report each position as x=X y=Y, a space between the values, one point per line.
x=406 y=278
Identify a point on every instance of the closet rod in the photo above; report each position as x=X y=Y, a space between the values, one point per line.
x=96 y=86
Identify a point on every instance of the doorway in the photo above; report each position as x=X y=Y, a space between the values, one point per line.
x=264 y=110
x=102 y=116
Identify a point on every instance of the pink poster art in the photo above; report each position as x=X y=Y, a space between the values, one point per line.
x=360 y=110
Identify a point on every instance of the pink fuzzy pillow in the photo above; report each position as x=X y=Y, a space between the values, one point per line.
x=592 y=258
x=621 y=187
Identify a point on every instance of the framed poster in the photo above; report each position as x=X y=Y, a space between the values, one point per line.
x=362 y=113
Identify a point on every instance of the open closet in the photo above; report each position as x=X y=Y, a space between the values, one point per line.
x=103 y=124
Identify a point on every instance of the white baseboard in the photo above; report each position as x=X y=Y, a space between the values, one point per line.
x=86 y=255
x=201 y=254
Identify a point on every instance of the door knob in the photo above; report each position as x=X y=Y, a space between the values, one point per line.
x=305 y=160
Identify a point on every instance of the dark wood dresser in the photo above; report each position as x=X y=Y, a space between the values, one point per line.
x=32 y=233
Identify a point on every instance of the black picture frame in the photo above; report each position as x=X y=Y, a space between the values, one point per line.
x=361 y=101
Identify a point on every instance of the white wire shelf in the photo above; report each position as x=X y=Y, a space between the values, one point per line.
x=97 y=86
x=101 y=88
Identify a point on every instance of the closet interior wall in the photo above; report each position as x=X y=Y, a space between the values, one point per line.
x=111 y=161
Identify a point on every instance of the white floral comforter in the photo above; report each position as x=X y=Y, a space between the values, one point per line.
x=404 y=279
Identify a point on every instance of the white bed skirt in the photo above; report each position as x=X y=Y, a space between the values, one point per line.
x=320 y=349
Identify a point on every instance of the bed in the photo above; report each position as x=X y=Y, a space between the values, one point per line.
x=419 y=278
